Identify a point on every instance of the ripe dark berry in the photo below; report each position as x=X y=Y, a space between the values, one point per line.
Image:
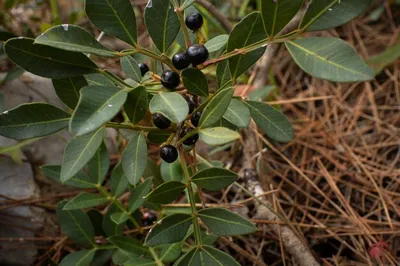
x=196 y=119
x=161 y=121
x=143 y=68
x=169 y=153
x=191 y=103
x=148 y=218
x=170 y=79
x=194 y=21
x=197 y=54
x=192 y=139
x=180 y=61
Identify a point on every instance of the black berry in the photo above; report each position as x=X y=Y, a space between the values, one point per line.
x=196 y=119
x=143 y=68
x=170 y=79
x=191 y=103
x=169 y=153
x=148 y=218
x=197 y=54
x=161 y=121
x=192 y=139
x=180 y=61
x=194 y=21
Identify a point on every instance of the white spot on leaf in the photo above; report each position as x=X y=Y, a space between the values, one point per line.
x=149 y=4
x=65 y=27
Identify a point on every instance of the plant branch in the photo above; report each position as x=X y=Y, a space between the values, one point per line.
x=180 y=13
x=155 y=257
x=119 y=205
x=134 y=127
x=226 y=24
x=192 y=201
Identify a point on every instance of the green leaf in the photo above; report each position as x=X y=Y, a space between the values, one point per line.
x=216 y=107
x=162 y=23
x=12 y=74
x=75 y=39
x=195 y=81
x=76 y=225
x=97 y=105
x=277 y=14
x=118 y=181
x=101 y=257
x=98 y=79
x=47 y=61
x=96 y=218
x=262 y=93
x=213 y=256
x=218 y=135
x=109 y=226
x=225 y=223
x=99 y=164
x=120 y=258
x=140 y=262
x=187 y=259
x=166 y=192
x=172 y=171
x=114 y=17
x=224 y=76
x=131 y=69
x=85 y=200
x=271 y=121
x=136 y=104
x=119 y=217
x=248 y=31
x=67 y=89
x=80 y=180
x=214 y=179
x=329 y=58
x=134 y=158
x=153 y=171
x=79 y=258
x=217 y=43
x=171 y=104
x=238 y=114
x=170 y=252
x=2 y=102
x=128 y=245
x=206 y=255
x=78 y=153
x=32 y=120
x=326 y=14
x=169 y=230
x=158 y=137
x=187 y=3
x=380 y=61
x=138 y=195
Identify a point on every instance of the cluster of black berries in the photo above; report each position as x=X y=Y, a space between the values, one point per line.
x=195 y=55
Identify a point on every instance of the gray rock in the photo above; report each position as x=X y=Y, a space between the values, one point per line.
x=17 y=183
